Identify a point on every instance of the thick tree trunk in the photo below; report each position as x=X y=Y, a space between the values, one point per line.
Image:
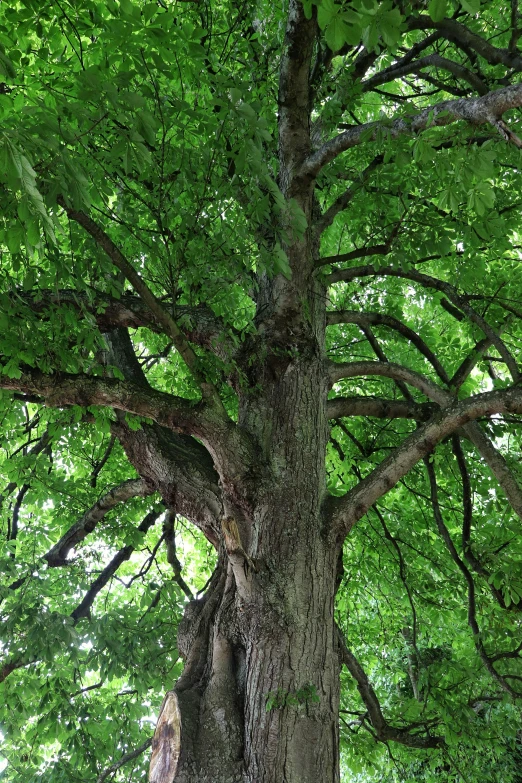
x=258 y=701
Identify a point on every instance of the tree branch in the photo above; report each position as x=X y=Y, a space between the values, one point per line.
x=162 y=317
x=472 y=615
x=133 y=754
x=176 y=465
x=493 y=458
x=435 y=60
x=461 y=35
x=201 y=325
x=231 y=448
x=467 y=519
x=383 y=731
x=379 y=408
x=57 y=555
x=366 y=319
x=352 y=255
x=477 y=111
x=342 y=201
x=169 y=535
x=351 y=507
x=449 y=290
x=395 y=372
x=84 y=607
x=64 y=389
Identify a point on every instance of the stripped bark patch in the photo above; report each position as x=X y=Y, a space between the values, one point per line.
x=167 y=742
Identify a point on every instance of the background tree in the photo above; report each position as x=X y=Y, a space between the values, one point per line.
x=259 y=283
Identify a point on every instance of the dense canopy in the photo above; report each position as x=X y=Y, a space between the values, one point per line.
x=260 y=327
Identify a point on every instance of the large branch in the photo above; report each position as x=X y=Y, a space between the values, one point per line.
x=57 y=555
x=493 y=458
x=477 y=111
x=352 y=506
x=180 y=469
x=232 y=450
x=378 y=408
x=396 y=372
x=61 y=390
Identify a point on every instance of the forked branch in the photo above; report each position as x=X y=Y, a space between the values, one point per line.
x=351 y=507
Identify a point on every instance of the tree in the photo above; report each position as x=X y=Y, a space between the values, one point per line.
x=260 y=350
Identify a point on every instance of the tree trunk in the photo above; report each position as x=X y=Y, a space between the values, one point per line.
x=258 y=701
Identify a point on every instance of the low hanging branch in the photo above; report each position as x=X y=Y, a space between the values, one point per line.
x=133 y=754
x=472 y=609
x=84 y=607
x=383 y=731
x=65 y=389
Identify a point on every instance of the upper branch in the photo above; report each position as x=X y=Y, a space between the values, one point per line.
x=378 y=408
x=400 y=68
x=462 y=36
x=161 y=315
x=294 y=90
x=477 y=111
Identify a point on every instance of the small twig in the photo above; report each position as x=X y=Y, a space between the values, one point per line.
x=124 y=760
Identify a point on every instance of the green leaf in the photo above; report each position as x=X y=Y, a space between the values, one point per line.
x=336 y=33
x=7 y=68
x=437 y=9
x=471 y=6
x=326 y=11
x=307 y=5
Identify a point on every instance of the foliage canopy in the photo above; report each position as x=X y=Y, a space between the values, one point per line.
x=142 y=190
